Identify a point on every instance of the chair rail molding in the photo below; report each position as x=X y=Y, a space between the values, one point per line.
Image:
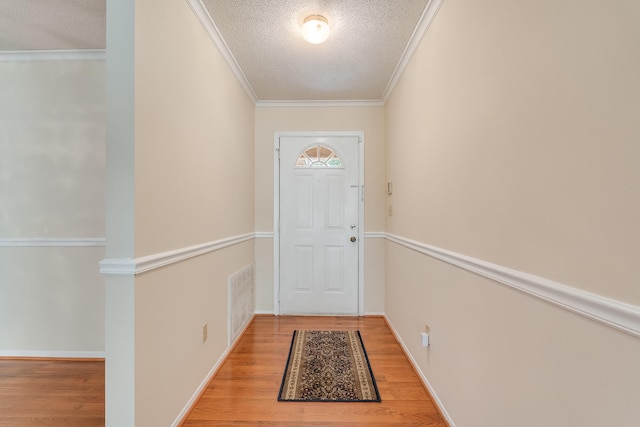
x=613 y=313
x=264 y=234
x=374 y=235
x=36 y=242
x=367 y=234
x=134 y=266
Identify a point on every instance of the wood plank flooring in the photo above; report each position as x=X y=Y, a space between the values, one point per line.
x=51 y=393
x=244 y=391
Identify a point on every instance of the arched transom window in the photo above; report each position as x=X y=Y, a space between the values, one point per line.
x=318 y=156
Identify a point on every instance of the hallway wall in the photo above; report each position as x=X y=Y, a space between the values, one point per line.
x=180 y=208
x=512 y=139
x=278 y=119
x=52 y=167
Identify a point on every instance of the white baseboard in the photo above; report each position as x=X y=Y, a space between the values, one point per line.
x=271 y=313
x=52 y=354
x=423 y=378
x=205 y=382
x=196 y=395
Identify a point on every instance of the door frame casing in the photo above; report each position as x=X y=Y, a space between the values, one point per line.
x=276 y=209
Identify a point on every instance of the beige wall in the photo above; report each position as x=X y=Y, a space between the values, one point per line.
x=520 y=128
x=195 y=172
x=52 y=166
x=370 y=120
x=190 y=157
x=501 y=358
x=172 y=304
x=512 y=138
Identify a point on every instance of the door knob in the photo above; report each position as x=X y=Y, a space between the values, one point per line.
x=353 y=238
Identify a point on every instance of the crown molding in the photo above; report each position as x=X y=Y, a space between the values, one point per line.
x=424 y=23
x=319 y=103
x=53 y=55
x=610 y=312
x=209 y=25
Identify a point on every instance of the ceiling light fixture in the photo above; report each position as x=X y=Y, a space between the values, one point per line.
x=315 y=29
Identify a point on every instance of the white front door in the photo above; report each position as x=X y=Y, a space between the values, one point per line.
x=319 y=229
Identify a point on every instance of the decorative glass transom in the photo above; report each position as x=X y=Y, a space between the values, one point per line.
x=319 y=156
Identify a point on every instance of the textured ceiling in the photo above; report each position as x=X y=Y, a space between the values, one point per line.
x=357 y=62
x=366 y=43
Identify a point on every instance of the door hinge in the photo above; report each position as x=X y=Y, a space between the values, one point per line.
x=278 y=151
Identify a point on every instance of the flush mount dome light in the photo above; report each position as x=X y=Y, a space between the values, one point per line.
x=315 y=29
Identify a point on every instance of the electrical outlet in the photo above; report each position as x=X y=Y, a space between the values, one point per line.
x=204 y=333
x=424 y=336
x=390 y=210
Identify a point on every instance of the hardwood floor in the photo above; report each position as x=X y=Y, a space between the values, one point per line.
x=243 y=392
x=245 y=388
x=51 y=393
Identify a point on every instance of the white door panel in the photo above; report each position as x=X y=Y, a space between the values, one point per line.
x=318 y=216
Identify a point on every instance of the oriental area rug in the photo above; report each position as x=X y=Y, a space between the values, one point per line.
x=328 y=366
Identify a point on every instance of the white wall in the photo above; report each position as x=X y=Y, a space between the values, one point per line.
x=512 y=138
x=52 y=161
x=180 y=175
x=274 y=119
